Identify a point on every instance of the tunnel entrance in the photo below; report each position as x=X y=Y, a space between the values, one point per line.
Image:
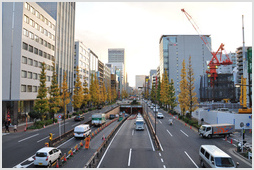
x=131 y=109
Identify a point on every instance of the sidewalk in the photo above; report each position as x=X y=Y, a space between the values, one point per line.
x=20 y=127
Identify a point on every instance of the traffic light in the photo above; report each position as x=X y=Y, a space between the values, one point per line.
x=50 y=136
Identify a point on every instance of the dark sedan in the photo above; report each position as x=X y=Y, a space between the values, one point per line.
x=79 y=118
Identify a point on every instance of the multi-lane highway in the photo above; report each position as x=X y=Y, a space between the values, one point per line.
x=18 y=149
x=128 y=148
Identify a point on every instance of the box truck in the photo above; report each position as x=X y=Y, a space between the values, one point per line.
x=140 y=123
x=98 y=119
x=216 y=129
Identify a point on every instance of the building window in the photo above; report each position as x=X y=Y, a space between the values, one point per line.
x=25 y=46
x=31 y=48
x=35 y=63
x=34 y=88
x=45 y=43
x=44 y=55
x=31 y=22
x=29 y=75
x=53 y=48
x=27 y=6
x=40 y=53
x=37 y=26
x=23 y=88
x=49 y=45
x=50 y=25
x=42 y=17
x=31 y=35
x=41 y=41
x=26 y=19
x=41 y=29
x=45 y=32
x=37 y=14
x=23 y=74
x=32 y=10
x=48 y=78
x=36 y=38
x=36 y=51
x=30 y=61
x=40 y=64
x=29 y=88
x=46 y=21
x=25 y=32
x=35 y=76
x=24 y=60
x=49 y=56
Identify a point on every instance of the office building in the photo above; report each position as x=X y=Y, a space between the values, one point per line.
x=116 y=56
x=175 y=48
x=64 y=14
x=140 y=81
x=29 y=40
x=81 y=59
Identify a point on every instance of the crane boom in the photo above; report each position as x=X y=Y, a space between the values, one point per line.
x=195 y=26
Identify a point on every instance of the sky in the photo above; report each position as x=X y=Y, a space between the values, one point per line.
x=138 y=26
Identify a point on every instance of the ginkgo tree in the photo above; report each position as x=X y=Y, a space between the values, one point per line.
x=78 y=95
x=183 y=95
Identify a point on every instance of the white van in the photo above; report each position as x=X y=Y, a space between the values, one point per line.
x=213 y=157
x=82 y=131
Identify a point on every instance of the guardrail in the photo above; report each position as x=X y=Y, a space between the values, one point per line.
x=151 y=129
x=93 y=161
x=67 y=135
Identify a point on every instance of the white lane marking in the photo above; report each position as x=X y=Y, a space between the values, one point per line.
x=159 y=153
x=43 y=139
x=30 y=158
x=164 y=166
x=150 y=138
x=169 y=133
x=109 y=146
x=160 y=121
x=162 y=160
x=65 y=123
x=132 y=132
x=28 y=137
x=129 y=161
x=75 y=124
x=184 y=133
x=191 y=159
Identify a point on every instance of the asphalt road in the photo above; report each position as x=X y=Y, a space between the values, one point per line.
x=181 y=144
x=130 y=149
x=19 y=148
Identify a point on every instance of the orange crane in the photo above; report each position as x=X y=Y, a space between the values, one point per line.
x=214 y=63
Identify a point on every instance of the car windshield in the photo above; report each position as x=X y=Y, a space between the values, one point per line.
x=139 y=123
x=41 y=154
x=160 y=114
x=202 y=128
x=224 y=162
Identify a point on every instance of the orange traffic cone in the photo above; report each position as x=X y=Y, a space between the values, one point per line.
x=25 y=129
x=43 y=126
x=57 y=165
x=226 y=138
x=71 y=153
x=65 y=157
x=190 y=127
x=231 y=141
x=81 y=144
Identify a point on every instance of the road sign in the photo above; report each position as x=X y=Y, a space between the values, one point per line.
x=241 y=124
x=59 y=117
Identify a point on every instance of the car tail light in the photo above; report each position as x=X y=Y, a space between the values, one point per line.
x=47 y=158
x=34 y=158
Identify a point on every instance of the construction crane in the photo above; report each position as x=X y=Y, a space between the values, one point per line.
x=214 y=63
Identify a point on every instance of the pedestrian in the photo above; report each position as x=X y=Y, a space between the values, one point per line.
x=15 y=128
x=6 y=126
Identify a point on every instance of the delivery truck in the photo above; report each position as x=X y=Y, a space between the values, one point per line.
x=208 y=131
x=98 y=119
x=139 y=124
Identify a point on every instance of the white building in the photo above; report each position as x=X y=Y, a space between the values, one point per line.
x=28 y=41
x=81 y=59
x=140 y=81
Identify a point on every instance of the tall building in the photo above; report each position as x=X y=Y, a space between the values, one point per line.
x=29 y=40
x=64 y=14
x=81 y=59
x=175 y=48
x=140 y=81
x=117 y=55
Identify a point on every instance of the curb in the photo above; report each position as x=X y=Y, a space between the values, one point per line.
x=248 y=160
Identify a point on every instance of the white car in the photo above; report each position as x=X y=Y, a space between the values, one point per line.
x=46 y=156
x=155 y=109
x=151 y=107
x=160 y=115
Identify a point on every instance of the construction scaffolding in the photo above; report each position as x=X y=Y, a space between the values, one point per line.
x=223 y=88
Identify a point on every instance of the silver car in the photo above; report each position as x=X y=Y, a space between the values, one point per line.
x=160 y=115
